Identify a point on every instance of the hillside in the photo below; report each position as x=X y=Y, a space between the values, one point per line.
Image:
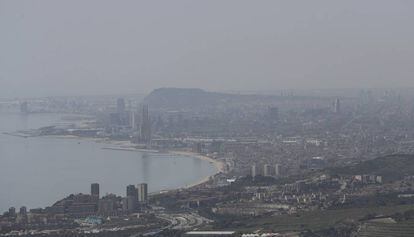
x=403 y=229
x=391 y=168
x=313 y=220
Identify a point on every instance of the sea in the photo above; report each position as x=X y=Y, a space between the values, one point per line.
x=38 y=171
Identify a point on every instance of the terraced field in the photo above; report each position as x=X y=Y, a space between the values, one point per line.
x=403 y=229
x=315 y=220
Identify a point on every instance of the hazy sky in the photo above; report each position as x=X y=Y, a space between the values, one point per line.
x=99 y=47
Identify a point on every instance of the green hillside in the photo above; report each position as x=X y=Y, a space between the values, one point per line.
x=391 y=168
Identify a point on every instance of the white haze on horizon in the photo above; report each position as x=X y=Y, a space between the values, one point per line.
x=79 y=47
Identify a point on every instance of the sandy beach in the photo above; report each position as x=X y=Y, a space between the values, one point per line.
x=218 y=164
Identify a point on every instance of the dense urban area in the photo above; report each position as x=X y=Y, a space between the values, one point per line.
x=316 y=163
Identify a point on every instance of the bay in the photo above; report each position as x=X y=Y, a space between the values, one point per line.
x=37 y=171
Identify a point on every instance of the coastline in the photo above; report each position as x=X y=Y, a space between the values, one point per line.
x=128 y=146
x=219 y=165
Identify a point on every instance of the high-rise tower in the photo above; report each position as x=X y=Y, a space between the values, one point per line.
x=145 y=128
x=337 y=106
x=142 y=192
x=131 y=191
x=253 y=171
x=95 y=190
x=131 y=199
x=120 y=106
x=277 y=170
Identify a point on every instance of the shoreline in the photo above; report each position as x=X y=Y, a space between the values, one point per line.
x=219 y=165
x=128 y=146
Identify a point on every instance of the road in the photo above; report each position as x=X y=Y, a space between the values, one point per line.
x=184 y=221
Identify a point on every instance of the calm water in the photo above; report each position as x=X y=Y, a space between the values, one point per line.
x=36 y=172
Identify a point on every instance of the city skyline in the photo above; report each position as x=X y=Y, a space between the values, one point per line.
x=236 y=118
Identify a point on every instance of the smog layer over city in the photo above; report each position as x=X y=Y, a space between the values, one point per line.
x=207 y=118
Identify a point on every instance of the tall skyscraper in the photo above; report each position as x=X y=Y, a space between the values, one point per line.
x=120 y=106
x=142 y=192
x=145 y=128
x=23 y=210
x=12 y=211
x=132 y=120
x=277 y=170
x=95 y=190
x=131 y=191
x=131 y=199
x=337 y=106
x=254 y=171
